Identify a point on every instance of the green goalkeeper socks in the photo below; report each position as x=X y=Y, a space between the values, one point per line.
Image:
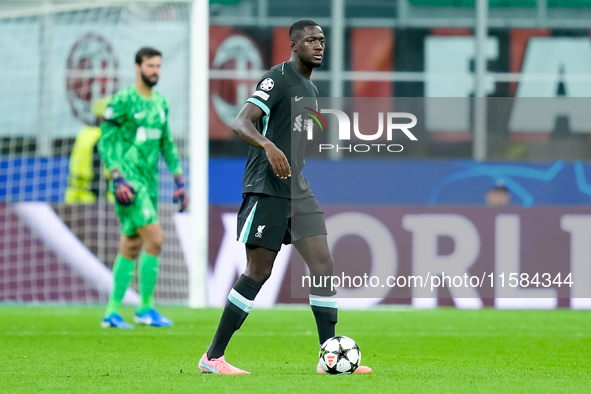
x=148 y=276
x=122 y=274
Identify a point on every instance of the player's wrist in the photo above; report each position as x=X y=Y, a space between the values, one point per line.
x=179 y=180
x=116 y=174
x=267 y=145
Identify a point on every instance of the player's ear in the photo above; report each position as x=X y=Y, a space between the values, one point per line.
x=292 y=44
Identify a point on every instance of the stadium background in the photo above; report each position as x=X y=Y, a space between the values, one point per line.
x=62 y=55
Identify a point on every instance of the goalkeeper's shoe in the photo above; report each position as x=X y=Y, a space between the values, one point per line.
x=115 y=321
x=360 y=369
x=152 y=318
x=219 y=366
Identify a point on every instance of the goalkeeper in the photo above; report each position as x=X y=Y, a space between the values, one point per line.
x=134 y=133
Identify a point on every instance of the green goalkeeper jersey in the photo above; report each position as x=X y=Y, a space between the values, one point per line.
x=134 y=133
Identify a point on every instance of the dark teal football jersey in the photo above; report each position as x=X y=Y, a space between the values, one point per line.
x=273 y=95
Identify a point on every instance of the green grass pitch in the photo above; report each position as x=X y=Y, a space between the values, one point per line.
x=46 y=349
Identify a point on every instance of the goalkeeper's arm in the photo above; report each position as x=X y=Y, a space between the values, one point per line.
x=171 y=157
x=111 y=149
x=109 y=145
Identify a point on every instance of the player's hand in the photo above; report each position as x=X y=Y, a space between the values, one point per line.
x=124 y=192
x=180 y=195
x=278 y=161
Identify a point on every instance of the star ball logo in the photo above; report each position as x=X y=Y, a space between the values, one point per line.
x=388 y=123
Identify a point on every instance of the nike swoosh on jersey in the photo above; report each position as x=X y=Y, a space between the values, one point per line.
x=298 y=98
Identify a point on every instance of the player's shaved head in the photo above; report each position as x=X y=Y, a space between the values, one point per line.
x=296 y=30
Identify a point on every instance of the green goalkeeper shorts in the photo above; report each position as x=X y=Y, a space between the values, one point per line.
x=142 y=212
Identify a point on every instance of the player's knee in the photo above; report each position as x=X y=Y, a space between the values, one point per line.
x=153 y=243
x=262 y=276
x=154 y=247
x=324 y=265
x=265 y=274
x=324 y=260
x=321 y=257
x=135 y=249
x=131 y=247
x=259 y=274
x=158 y=240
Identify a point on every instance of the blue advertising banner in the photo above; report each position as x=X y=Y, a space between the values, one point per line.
x=408 y=182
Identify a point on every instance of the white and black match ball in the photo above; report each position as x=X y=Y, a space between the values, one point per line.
x=339 y=355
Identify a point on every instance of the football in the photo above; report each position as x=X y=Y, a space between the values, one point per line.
x=339 y=355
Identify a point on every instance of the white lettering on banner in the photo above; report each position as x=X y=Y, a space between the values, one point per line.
x=560 y=58
x=579 y=227
x=426 y=262
x=448 y=67
x=425 y=230
x=507 y=241
x=230 y=263
x=384 y=257
x=541 y=75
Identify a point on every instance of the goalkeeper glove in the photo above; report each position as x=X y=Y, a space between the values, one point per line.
x=180 y=195
x=124 y=192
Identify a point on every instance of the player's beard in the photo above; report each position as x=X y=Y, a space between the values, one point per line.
x=147 y=81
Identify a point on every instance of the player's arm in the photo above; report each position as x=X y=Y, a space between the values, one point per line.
x=171 y=157
x=169 y=151
x=243 y=126
x=111 y=147
x=110 y=144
